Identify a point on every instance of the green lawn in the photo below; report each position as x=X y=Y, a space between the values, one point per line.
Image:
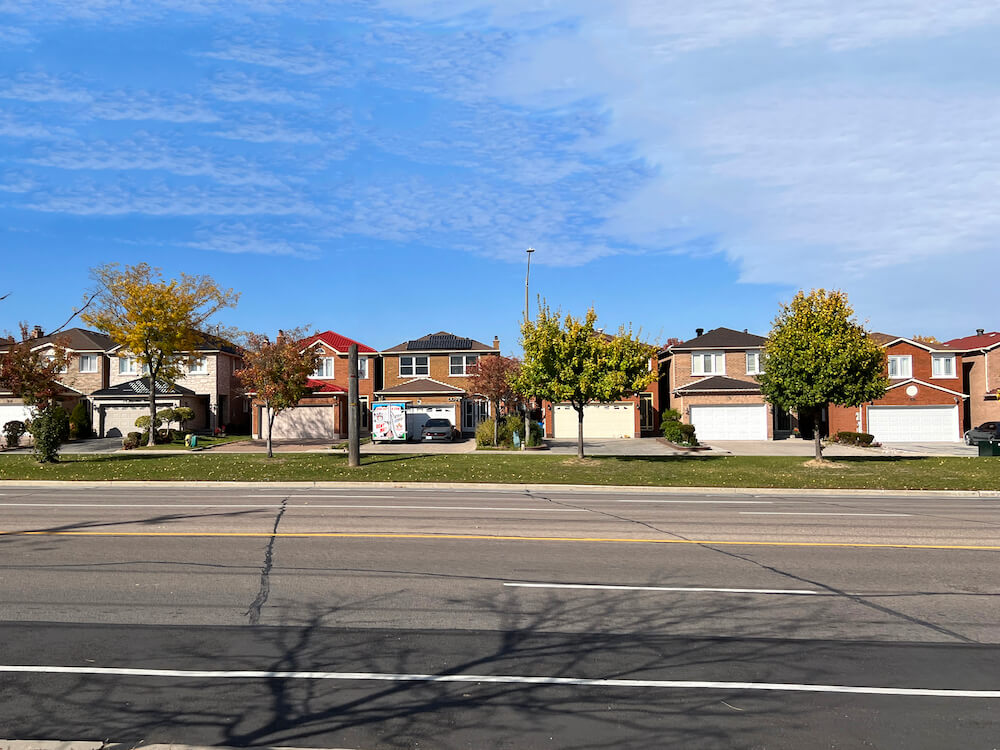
x=698 y=471
x=203 y=442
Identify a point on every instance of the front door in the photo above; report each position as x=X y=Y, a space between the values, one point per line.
x=647 y=414
x=473 y=412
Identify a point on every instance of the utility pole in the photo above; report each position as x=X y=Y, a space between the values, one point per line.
x=353 y=422
x=527 y=422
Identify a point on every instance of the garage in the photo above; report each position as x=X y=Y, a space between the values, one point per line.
x=13 y=413
x=118 y=421
x=909 y=424
x=730 y=422
x=305 y=423
x=417 y=416
x=615 y=420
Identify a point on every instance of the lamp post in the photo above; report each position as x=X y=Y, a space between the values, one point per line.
x=527 y=430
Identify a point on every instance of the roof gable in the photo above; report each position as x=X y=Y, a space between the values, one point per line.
x=76 y=339
x=723 y=338
x=422 y=386
x=338 y=342
x=719 y=384
x=140 y=387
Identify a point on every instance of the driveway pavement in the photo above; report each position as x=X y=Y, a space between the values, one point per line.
x=94 y=445
x=930 y=449
x=789 y=447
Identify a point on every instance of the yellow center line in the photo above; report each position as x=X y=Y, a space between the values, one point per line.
x=495 y=538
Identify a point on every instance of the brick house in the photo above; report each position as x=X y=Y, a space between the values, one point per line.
x=712 y=381
x=980 y=375
x=322 y=414
x=925 y=399
x=208 y=385
x=430 y=374
x=85 y=374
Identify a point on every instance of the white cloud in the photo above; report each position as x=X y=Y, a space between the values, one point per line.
x=239 y=238
x=13 y=35
x=240 y=87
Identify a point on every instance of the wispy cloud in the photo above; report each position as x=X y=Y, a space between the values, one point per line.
x=239 y=238
x=15 y=36
x=240 y=87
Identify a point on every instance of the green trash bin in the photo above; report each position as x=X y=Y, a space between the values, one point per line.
x=989 y=448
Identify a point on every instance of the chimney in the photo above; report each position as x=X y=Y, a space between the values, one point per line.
x=745 y=331
x=980 y=331
x=496 y=343
x=699 y=331
x=37 y=332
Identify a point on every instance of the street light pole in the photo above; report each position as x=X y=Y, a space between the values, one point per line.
x=527 y=426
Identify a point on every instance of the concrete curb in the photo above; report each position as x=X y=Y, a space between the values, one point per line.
x=592 y=488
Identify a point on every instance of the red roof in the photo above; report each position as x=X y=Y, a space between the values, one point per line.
x=324 y=386
x=338 y=342
x=986 y=341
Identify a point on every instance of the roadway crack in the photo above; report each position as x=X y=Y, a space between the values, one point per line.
x=264 y=589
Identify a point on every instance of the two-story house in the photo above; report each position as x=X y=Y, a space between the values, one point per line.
x=431 y=375
x=207 y=385
x=322 y=414
x=980 y=375
x=924 y=401
x=85 y=373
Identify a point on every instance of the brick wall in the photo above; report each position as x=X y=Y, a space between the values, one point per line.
x=440 y=369
x=980 y=409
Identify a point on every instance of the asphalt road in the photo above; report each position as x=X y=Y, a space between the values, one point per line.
x=461 y=618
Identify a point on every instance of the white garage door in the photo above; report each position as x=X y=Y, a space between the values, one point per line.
x=730 y=422
x=417 y=416
x=599 y=421
x=304 y=423
x=12 y=413
x=120 y=420
x=907 y=424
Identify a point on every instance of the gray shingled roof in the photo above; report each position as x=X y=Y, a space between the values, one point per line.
x=723 y=338
x=140 y=387
x=420 y=387
x=719 y=383
x=78 y=339
x=440 y=341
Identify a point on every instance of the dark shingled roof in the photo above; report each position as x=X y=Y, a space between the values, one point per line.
x=723 y=338
x=440 y=341
x=881 y=338
x=421 y=386
x=719 y=383
x=78 y=339
x=140 y=387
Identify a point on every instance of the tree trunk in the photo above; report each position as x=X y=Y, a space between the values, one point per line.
x=152 y=409
x=270 y=427
x=819 y=445
x=579 y=432
x=496 y=424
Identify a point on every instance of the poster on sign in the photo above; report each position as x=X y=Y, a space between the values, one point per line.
x=388 y=421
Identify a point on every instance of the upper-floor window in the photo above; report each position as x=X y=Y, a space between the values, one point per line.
x=900 y=366
x=88 y=363
x=708 y=363
x=462 y=364
x=198 y=366
x=363 y=368
x=411 y=365
x=130 y=366
x=943 y=365
x=324 y=369
x=62 y=369
x=754 y=364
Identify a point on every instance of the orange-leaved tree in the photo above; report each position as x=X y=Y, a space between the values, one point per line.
x=159 y=322
x=276 y=373
x=493 y=378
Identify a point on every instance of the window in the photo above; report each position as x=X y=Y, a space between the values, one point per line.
x=708 y=363
x=130 y=366
x=325 y=368
x=198 y=366
x=462 y=364
x=411 y=365
x=363 y=368
x=900 y=366
x=753 y=363
x=88 y=363
x=62 y=370
x=943 y=365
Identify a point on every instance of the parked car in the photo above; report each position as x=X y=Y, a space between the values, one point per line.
x=985 y=431
x=437 y=429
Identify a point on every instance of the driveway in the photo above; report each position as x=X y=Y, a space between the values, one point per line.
x=930 y=449
x=612 y=447
x=798 y=447
x=94 y=445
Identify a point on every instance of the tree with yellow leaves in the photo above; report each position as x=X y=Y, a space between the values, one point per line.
x=159 y=322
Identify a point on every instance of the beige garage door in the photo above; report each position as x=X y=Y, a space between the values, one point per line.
x=599 y=421
x=304 y=423
x=120 y=420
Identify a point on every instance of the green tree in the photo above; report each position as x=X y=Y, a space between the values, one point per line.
x=569 y=360
x=276 y=373
x=160 y=323
x=816 y=355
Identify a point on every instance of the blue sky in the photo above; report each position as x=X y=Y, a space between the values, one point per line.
x=379 y=168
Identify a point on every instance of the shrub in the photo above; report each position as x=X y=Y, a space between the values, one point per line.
x=50 y=429
x=131 y=441
x=79 y=421
x=484 y=434
x=12 y=432
x=853 y=438
x=143 y=421
x=183 y=414
x=676 y=431
x=505 y=434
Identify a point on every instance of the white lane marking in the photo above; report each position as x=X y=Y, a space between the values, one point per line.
x=793 y=513
x=698 y=502
x=689 y=589
x=230 y=505
x=291 y=495
x=502 y=679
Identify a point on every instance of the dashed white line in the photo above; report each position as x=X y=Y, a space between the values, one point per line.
x=501 y=679
x=679 y=589
x=792 y=513
x=696 y=502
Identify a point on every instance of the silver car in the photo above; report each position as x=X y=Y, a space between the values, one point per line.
x=985 y=431
x=437 y=429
